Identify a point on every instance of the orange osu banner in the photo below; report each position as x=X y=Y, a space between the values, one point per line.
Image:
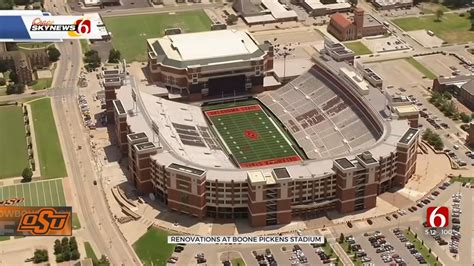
x=35 y=221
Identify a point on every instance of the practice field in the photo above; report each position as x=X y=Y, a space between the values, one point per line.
x=152 y=247
x=47 y=140
x=452 y=28
x=130 y=32
x=250 y=135
x=358 y=48
x=13 y=155
x=41 y=193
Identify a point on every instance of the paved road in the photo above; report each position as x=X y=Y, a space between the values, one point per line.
x=92 y=203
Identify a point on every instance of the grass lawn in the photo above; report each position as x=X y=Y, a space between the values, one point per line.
x=328 y=251
x=471 y=51
x=85 y=46
x=425 y=71
x=42 y=84
x=76 y=224
x=462 y=179
x=47 y=140
x=14 y=154
x=130 y=32
x=430 y=8
x=452 y=28
x=4 y=238
x=3 y=90
x=250 y=135
x=152 y=248
x=430 y=258
x=358 y=47
x=238 y=262
x=90 y=253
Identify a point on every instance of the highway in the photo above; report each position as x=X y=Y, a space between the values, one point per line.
x=98 y=221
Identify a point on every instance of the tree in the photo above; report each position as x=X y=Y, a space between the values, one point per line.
x=92 y=59
x=6 y=4
x=3 y=63
x=471 y=13
x=75 y=254
x=13 y=76
x=114 y=56
x=104 y=261
x=465 y=117
x=16 y=88
x=53 y=53
x=40 y=255
x=73 y=243
x=2 y=82
x=341 y=238
x=231 y=19
x=57 y=247
x=439 y=13
x=27 y=174
x=353 y=2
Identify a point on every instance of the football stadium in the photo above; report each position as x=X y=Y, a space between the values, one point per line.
x=320 y=142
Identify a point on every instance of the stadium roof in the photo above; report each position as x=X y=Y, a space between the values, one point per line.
x=206 y=48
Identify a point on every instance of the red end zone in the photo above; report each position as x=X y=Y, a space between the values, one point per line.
x=288 y=159
x=233 y=110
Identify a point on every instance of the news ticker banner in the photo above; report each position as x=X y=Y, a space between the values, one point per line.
x=39 y=26
x=35 y=221
x=245 y=239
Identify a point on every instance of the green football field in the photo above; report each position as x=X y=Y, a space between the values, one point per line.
x=13 y=155
x=41 y=193
x=129 y=33
x=250 y=135
x=47 y=140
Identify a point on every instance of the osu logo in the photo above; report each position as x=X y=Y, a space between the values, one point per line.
x=437 y=216
x=83 y=26
x=43 y=221
x=12 y=201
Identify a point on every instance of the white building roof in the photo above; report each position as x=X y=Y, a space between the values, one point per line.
x=278 y=10
x=92 y=2
x=316 y=4
x=392 y=2
x=209 y=44
x=259 y=19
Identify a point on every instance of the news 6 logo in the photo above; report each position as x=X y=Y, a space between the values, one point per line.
x=437 y=216
x=83 y=26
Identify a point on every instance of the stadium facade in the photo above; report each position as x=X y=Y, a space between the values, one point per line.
x=353 y=154
x=191 y=68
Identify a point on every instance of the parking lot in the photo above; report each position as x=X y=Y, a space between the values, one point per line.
x=399 y=73
x=426 y=40
x=385 y=44
x=443 y=65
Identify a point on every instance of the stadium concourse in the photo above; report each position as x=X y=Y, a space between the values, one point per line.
x=340 y=152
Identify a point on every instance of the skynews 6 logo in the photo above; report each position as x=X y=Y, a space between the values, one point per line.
x=437 y=216
x=79 y=27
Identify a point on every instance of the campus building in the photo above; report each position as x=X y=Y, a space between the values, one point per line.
x=392 y=4
x=209 y=64
x=361 y=25
x=352 y=153
x=461 y=87
x=24 y=62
